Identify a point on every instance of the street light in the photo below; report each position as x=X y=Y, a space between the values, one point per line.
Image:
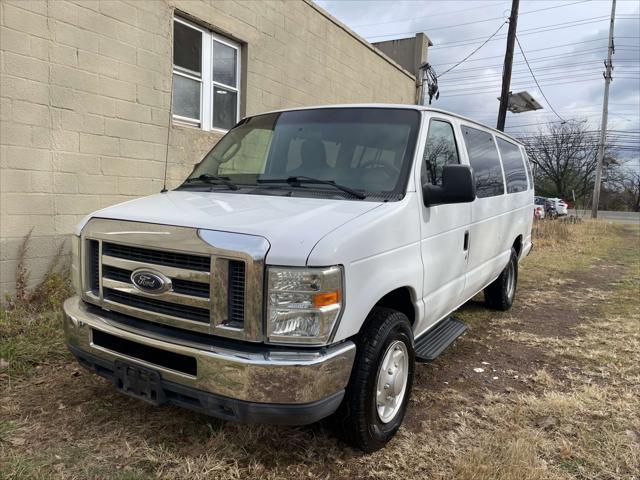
x=522 y=102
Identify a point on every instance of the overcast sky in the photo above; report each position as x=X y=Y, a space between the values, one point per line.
x=570 y=76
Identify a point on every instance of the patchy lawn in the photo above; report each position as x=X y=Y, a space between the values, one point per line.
x=557 y=396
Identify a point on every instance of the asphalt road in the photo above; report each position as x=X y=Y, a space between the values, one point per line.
x=625 y=217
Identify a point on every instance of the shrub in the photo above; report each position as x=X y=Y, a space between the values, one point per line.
x=29 y=320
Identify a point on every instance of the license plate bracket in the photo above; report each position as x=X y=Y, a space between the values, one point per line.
x=139 y=382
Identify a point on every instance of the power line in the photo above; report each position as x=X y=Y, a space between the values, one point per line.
x=535 y=79
x=464 y=10
x=426 y=29
x=544 y=59
x=492 y=91
x=550 y=82
x=427 y=16
x=566 y=67
x=577 y=107
x=478 y=48
x=529 y=31
x=546 y=79
x=493 y=78
x=550 y=47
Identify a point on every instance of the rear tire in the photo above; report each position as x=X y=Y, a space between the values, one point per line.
x=500 y=294
x=380 y=385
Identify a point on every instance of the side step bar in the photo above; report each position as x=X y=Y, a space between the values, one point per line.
x=435 y=341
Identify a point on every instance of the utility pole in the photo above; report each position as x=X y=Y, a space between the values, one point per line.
x=508 y=61
x=605 y=115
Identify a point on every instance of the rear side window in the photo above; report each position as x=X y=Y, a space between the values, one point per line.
x=485 y=162
x=528 y=165
x=440 y=150
x=513 y=164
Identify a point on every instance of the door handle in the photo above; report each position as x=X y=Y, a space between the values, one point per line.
x=465 y=245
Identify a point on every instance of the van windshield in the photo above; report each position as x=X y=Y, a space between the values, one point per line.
x=368 y=150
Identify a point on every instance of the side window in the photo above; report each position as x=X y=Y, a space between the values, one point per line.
x=514 y=169
x=528 y=165
x=440 y=150
x=485 y=162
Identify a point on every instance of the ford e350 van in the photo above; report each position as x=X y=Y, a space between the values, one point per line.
x=305 y=265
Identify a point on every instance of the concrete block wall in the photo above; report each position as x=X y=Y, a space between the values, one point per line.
x=85 y=100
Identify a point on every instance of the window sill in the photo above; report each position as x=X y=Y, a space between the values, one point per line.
x=177 y=123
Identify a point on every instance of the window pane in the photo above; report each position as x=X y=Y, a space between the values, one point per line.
x=187 y=47
x=251 y=155
x=485 y=162
x=514 y=169
x=527 y=163
x=439 y=151
x=186 y=97
x=224 y=64
x=224 y=108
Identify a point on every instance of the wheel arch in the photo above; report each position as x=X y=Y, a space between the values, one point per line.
x=401 y=299
x=517 y=245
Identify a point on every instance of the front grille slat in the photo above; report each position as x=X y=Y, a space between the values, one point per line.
x=166 y=308
x=160 y=257
x=94 y=268
x=236 y=294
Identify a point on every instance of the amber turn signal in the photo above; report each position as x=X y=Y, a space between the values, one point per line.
x=327 y=298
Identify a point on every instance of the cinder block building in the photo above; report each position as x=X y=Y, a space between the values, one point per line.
x=87 y=114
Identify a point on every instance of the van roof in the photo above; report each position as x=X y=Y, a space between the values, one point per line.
x=421 y=108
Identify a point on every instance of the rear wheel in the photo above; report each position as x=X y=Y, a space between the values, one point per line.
x=376 y=397
x=501 y=293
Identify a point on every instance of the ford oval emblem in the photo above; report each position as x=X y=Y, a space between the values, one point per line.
x=150 y=282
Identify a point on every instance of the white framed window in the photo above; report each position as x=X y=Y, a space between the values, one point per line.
x=206 y=77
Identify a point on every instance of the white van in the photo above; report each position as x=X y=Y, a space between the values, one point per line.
x=308 y=261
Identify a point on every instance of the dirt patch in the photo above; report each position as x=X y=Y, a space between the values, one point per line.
x=508 y=366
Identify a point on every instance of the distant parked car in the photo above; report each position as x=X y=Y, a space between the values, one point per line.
x=560 y=206
x=538 y=207
x=550 y=209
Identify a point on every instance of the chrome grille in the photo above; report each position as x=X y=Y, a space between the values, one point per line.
x=206 y=281
x=159 y=306
x=94 y=260
x=185 y=287
x=158 y=257
x=237 y=281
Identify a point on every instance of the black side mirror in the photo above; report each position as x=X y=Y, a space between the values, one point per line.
x=458 y=186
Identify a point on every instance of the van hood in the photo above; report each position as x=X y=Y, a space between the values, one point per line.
x=292 y=225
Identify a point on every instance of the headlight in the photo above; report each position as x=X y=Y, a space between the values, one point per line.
x=303 y=304
x=75 y=264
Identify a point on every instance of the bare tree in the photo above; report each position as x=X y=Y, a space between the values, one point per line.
x=624 y=184
x=564 y=158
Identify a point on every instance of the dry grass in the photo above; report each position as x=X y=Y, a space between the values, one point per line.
x=559 y=398
x=29 y=320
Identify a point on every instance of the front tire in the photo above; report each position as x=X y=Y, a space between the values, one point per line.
x=377 y=395
x=500 y=294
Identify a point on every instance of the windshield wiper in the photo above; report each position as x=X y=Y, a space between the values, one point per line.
x=213 y=180
x=300 y=179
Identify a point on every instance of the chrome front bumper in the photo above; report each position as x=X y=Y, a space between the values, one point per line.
x=260 y=375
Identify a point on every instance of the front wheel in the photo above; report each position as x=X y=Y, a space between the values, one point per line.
x=377 y=395
x=500 y=294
